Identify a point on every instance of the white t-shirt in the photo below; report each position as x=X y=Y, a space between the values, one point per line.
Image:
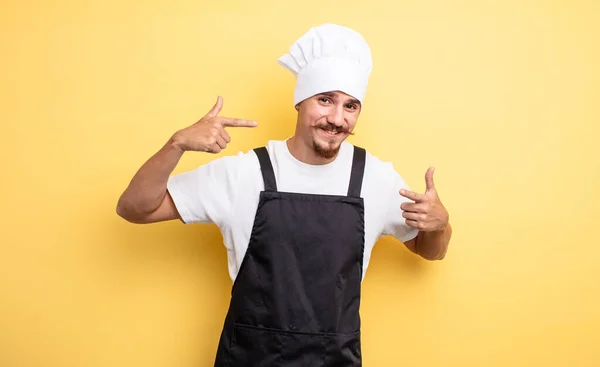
x=226 y=192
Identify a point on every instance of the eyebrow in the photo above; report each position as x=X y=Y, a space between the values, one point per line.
x=332 y=95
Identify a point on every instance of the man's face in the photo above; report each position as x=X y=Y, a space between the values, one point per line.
x=325 y=120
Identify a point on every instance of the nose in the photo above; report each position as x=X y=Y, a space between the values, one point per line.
x=336 y=116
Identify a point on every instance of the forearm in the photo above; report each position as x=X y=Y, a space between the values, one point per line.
x=148 y=187
x=433 y=245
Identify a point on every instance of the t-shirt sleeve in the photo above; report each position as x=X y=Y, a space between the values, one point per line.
x=395 y=224
x=206 y=194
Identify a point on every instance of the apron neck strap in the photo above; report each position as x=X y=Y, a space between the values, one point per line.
x=356 y=175
x=358 y=170
x=266 y=168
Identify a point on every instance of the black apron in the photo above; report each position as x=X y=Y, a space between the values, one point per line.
x=295 y=301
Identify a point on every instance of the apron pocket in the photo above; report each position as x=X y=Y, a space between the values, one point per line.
x=257 y=347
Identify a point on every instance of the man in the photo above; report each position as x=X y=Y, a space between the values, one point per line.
x=299 y=217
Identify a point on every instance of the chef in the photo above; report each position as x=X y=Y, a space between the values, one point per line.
x=299 y=217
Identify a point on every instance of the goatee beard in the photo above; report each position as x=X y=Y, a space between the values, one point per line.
x=325 y=153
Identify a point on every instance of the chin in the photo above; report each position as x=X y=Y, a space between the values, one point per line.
x=326 y=149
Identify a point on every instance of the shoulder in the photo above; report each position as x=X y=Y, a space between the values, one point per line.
x=379 y=168
x=244 y=163
x=382 y=176
x=276 y=148
x=238 y=161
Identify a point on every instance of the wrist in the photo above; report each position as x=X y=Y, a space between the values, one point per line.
x=176 y=143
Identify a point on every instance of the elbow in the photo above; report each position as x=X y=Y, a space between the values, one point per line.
x=440 y=254
x=440 y=257
x=434 y=257
x=124 y=211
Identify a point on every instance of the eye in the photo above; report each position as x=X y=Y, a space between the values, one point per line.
x=324 y=99
x=351 y=106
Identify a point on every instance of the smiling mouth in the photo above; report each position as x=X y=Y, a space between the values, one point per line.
x=331 y=132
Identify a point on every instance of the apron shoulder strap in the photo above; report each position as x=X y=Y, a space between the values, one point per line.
x=357 y=173
x=266 y=168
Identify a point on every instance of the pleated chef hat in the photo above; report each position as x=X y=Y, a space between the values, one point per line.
x=327 y=58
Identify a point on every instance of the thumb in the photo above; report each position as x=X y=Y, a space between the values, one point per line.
x=429 y=179
x=216 y=108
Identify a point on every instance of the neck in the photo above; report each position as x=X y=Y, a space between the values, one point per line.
x=305 y=153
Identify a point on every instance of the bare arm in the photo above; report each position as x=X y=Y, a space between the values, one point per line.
x=146 y=199
x=431 y=245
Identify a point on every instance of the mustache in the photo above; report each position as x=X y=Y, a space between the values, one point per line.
x=341 y=129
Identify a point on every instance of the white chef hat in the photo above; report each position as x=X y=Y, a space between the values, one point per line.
x=327 y=58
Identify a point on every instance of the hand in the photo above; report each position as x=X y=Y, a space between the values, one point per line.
x=208 y=134
x=426 y=213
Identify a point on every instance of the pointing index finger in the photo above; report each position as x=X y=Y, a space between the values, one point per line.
x=226 y=121
x=411 y=195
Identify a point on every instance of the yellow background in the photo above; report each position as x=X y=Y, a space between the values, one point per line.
x=502 y=97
